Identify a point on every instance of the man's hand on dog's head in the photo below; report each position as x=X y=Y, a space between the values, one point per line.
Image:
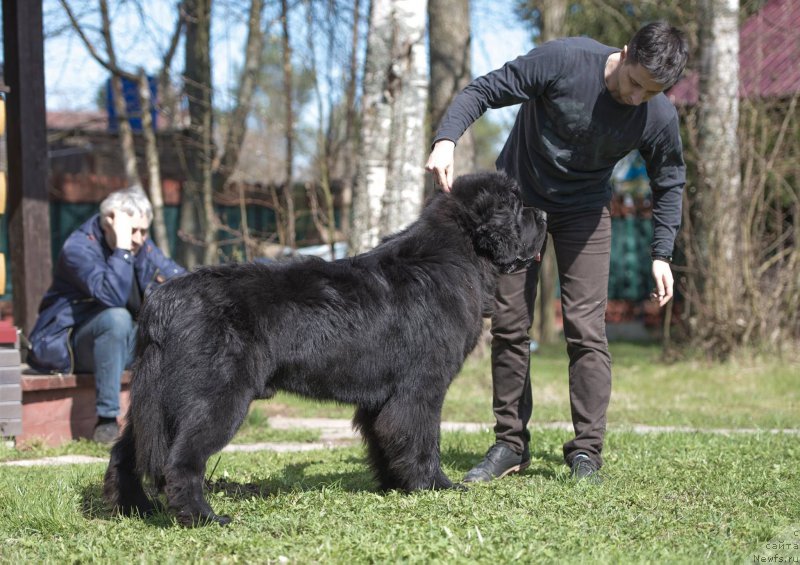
x=440 y=163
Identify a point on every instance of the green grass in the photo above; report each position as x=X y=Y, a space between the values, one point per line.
x=666 y=497
x=675 y=497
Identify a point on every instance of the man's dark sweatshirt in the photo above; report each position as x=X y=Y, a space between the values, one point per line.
x=570 y=132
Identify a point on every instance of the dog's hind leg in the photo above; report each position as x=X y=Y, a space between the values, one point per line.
x=407 y=433
x=122 y=486
x=201 y=434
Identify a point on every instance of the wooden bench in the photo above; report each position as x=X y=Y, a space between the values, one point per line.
x=60 y=408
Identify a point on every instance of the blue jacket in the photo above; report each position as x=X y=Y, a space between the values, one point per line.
x=89 y=277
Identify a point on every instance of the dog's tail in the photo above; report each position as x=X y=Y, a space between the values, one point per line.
x=147 y=414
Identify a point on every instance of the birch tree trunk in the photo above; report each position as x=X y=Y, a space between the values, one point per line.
x=153 y=165
x=389 y=189
x=402 y=200
x=719 y=192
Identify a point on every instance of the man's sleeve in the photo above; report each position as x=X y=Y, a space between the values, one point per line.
x=517 y=81
x=667 y=172
x=108 y=281
x=166 y=266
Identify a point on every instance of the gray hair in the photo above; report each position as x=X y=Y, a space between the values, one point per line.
x=132 y=200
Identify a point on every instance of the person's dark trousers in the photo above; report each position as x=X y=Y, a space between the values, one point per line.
x=582 y=244
x=104 y=346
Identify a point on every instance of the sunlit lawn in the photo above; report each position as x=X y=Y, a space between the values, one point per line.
x=666 y=497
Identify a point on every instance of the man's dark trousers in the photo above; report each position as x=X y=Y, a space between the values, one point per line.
x=582 y=244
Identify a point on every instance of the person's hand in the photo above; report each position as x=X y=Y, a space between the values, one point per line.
x=122 y=225
x=440 y=163
x=662 y=274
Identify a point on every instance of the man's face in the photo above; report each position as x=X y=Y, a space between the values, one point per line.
x=119 y=220
x=139 y=231
x=636 y=85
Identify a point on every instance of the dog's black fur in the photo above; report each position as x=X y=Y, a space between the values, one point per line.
x=387 y=330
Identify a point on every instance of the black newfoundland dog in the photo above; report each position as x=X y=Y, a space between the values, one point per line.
x=387 y=331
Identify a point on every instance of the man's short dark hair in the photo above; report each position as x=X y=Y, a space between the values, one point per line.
x=662 y=50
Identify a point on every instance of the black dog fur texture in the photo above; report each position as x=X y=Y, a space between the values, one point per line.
x=387 y=331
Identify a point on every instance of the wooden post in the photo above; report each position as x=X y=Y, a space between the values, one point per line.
x=28 y=206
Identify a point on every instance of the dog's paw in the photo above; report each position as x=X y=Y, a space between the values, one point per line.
x=188 y=520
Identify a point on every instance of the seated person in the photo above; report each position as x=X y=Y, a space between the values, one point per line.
x=87 y=319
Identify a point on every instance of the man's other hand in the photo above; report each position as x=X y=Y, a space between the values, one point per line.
x=662 y=274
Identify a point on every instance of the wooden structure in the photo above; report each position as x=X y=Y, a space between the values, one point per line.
x=28 y=208
x=27 y=204
x=56 y=409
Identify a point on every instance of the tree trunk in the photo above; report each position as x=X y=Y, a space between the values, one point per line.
x=450 y=69
x=238 y=122
x=153 y=165
x=719 y=198
x=323 y=218
x=197 y=215
x=288 y=189
x=554 y=14
x=388 y=192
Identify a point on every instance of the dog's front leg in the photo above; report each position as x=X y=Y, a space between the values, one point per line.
x=406 y=432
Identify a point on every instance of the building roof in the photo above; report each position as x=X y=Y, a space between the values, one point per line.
x=92 y=120
x=769 y=56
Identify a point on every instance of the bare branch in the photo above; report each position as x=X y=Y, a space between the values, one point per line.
x=252 y=64
x=110 y=65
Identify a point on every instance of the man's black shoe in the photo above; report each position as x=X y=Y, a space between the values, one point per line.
x=583 y=468
x=106 y=432
x=499 y=461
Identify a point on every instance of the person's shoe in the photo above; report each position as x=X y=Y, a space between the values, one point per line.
x=499 y=461
x=584 y=469
x=106 y=432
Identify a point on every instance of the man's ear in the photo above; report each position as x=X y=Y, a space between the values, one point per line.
x=623 y=54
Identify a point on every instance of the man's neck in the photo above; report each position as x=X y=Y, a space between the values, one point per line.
x=613 y=64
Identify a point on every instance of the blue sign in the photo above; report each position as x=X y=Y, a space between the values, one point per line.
x=132 y=107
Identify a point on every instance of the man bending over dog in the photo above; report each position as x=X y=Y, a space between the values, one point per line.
x=584 y=106
x=87 y=319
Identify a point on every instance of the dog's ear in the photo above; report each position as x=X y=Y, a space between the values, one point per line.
x=497 y=230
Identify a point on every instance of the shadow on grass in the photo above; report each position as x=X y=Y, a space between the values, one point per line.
x=292 y=478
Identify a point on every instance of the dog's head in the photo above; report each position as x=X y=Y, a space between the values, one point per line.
x=533 y=234
x=510 y=235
